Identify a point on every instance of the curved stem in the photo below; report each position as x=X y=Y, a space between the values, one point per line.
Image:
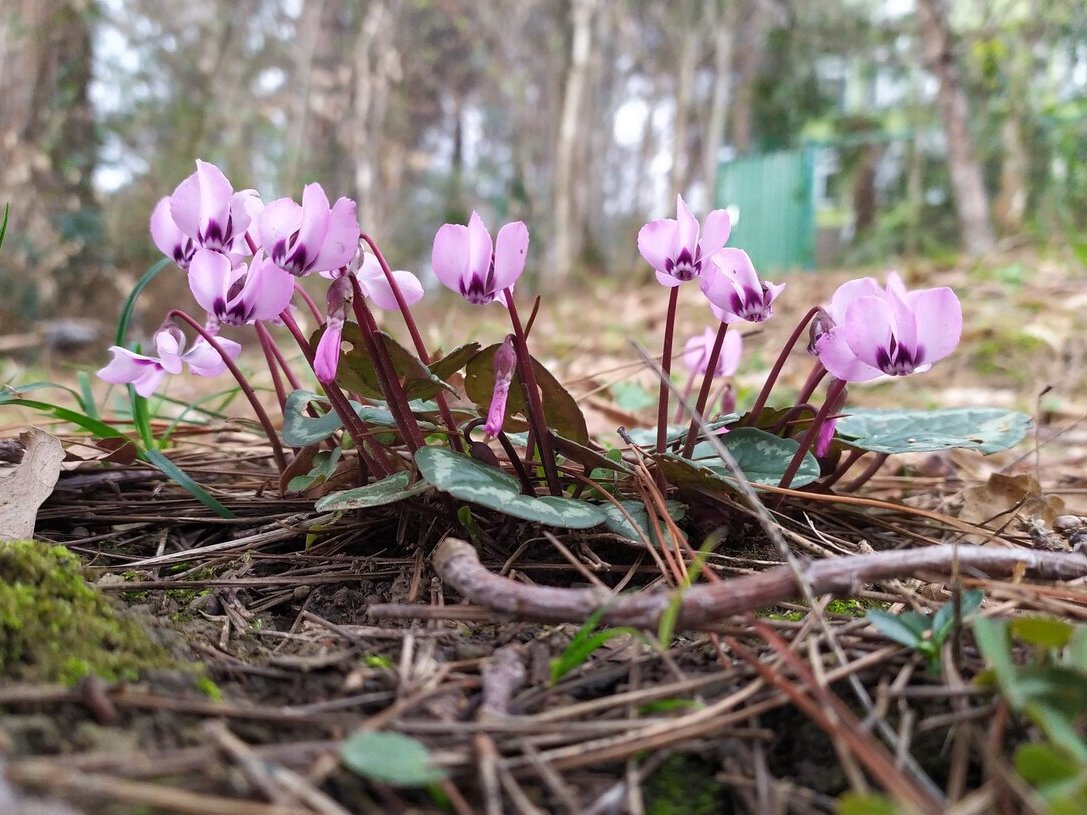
x=267 y=345
x=666 y=370
x=815 y=376
x=704 y=391
x=779 y=363
x=842 y=468
x=355 y=427
x=243 y=383
x=310 y=304
x=868 y=472
x=835 y=394
x=383 y=367
x=416 y=338
x=534 y=407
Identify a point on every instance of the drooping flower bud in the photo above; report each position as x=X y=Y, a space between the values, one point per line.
x=326 y=359
x=505 y=363
x=820 y=326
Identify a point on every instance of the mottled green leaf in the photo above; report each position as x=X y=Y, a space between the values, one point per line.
x=389 y=490
x=391 y=758
x=920 y=431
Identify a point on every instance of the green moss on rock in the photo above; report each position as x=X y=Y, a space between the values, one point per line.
x=55 y=627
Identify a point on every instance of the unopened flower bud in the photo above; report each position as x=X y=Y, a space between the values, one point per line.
x=326 y=359
x=819 y=327
x=505 y=363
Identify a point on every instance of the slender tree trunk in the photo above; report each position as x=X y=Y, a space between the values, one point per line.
x=752 y=28
x=53 y=250
x=724 y=26
x=581 y=13
x=967 y=184
x=688 y=62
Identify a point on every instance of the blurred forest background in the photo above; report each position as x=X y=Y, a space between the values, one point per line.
x=845 y=131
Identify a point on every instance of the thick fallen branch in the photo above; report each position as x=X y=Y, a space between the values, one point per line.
x=457 y=563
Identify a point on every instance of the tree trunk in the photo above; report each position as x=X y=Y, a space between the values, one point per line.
x=752 y=26
x=724 y=37
x=967 y=185
x=581 y=13
x=52 y=252
x=688 y=61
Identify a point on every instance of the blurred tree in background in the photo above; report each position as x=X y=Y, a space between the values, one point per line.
x=582 y=117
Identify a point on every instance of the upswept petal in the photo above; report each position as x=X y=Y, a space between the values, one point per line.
x=126 y=366
x=868 y=328
x=510 y=251
x=731 y=351
x=377 y=289
x=267 y=291
x=200 y=206
x=850 y=291
x=210 y=275
x=696 y=351
x=657 y=242
x=715 y=231
x=341 y=240
x=277 y=222
x=687 y=226
x=939 y=321
x=449 y=256
x=737 y=264
x=905 y=324
x=170 y=240
x=203 y=360
x=302 y=248
x=838 y=358
x=480 y=249
x=170 y=345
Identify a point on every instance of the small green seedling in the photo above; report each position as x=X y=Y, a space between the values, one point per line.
x=587 y=639
x=924 y=634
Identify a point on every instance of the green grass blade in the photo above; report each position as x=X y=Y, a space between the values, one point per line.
x=130 y=304
x=95 y=426
x=182 y=479
x=86 y=402
x=4 y=225
x=141 y=418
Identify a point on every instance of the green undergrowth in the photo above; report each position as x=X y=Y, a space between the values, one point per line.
x=684 y=785
x=55 y=627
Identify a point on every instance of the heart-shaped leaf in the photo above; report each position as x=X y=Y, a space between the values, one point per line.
x=647 y=436
x=453 y=361
x=560 y=408
x=762 y=456
x=469 y=480
x=922 y=431
x=356 y=369
x=300 y=429
x=391 y=758
x=388 y=490
x=617 y=522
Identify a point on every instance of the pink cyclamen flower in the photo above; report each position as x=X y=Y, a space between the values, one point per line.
x=465 y=260
x=677 y=249
x=205 y=208
x=147 y=372
x=875 y=331
x=735 y=290
x=237 y=295
x=505 y=361
x=696 y=353
x=326 y=359
x=313 y=237
x=366 y=267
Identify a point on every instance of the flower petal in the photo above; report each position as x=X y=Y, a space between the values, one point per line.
x=170 y=344
x=868 y=329
x=657 y=242
x=326 y=359
x=210 y=274
x=341 y=240
x=731 y=351
x=715 y=231
x=687 y=233
x=267 y=291
x=125 y=367
x=170 y=240
x=838 y=358
x=939 y=321
x=480 y=249
x=510 y=251
x=200 y=206
x=449 y=256
x=277 y=222
x=203 y=360
x=850 y=291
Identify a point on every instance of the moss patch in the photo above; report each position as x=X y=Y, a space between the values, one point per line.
x=684 y=785
x=54 y=627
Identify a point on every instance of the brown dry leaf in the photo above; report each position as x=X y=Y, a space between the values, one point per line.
x=25 y=486
x=1004 y=498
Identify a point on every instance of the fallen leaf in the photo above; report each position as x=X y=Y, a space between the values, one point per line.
x=1003 y=499
x=25 y=486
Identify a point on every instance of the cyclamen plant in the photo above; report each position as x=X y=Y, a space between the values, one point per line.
x=243 y=261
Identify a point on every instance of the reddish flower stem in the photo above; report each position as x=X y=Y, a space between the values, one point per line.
x=666 y=370
x=243 y=383
x=292 y=380
x=355 y=427
x=267 y=346
x=704 y=391
x=386 y=373
x=867 y=473
x=764 y=394
x=835 y=395
x=416 y=338
x=842 y=468
x=310 y=304
x=534 y=407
